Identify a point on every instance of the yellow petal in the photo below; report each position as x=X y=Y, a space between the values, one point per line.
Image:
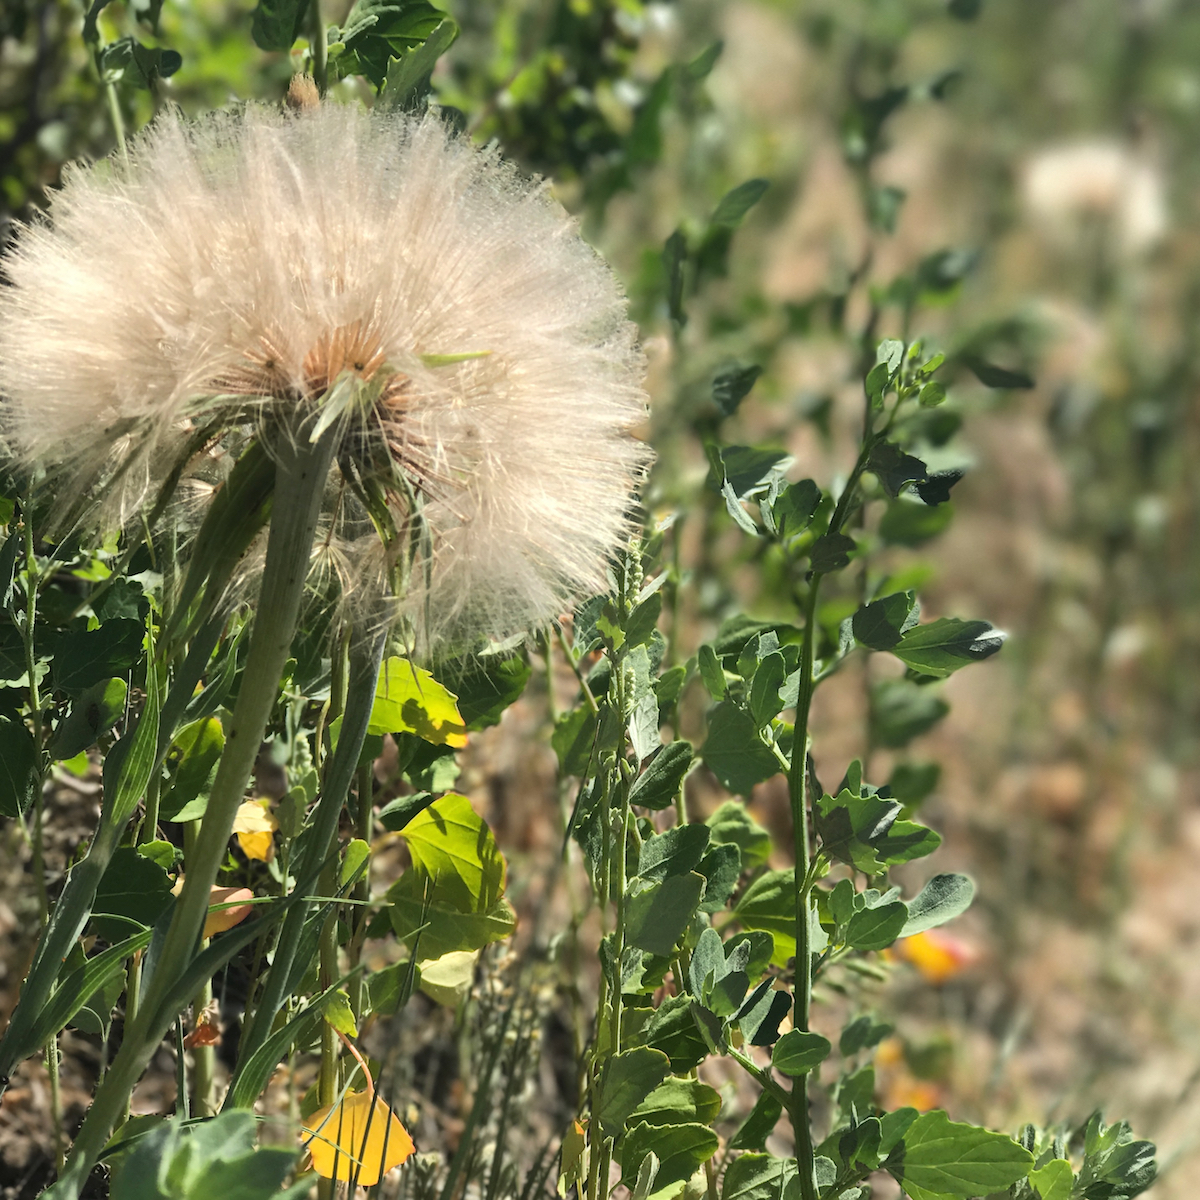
x=338 y=1145
x=254 y=825
x=257 y=845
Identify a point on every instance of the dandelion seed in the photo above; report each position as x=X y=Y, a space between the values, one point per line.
x=473 y=350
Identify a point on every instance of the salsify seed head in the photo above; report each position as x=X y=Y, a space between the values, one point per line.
x=252 y=261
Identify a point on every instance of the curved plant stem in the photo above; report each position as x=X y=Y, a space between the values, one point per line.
x=301 y=470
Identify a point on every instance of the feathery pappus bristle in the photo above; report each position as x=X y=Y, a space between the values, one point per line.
x=252 y=260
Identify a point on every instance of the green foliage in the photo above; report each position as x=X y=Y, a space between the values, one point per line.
x=213 y=1158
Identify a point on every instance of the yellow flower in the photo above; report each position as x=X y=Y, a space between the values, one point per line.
x=255 y=826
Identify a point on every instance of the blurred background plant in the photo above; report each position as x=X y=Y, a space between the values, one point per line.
x=1013 y=182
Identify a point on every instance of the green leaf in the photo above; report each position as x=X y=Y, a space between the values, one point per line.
x=276 y=24
x=949 y=1158
x=799 y=1051
x=932 y=394
x=759 y=1125
x=357 y=853
x=731 y=824
x=673 y=1030
x=674 y=257
x=454 y=848
x=573 y=739
x=711 y=671
x=92 y=713
x=765 y=700
x=205 y=1159
x=485 y=685
x=731 y=385
x=1054 y=1181
x=894 y=469
x=455 y=883
x=993 y=376
x=911 y=782
x=678 y=1101
x=642 y=621
x=769 y=904
x=861 y=1034
x=792 y=510
x=734 y=752
x=408 y=75
x=337 y=1012
x=876 y=384
x=136 y=63
x=19 y=774
x=831 y=552
x=942 y=899
x=192 y=761
x=396 y=814
x=876 y=928
x=409 y=700
x=750 y=471
x=721 y=868
x=674 y=852
x=658 y=785
x=881 y=624
x=906 y=522
x=942 y=646
x=936 y=489
x=133 y=887
x=628 y=1078
x=734 y=205
x=902 y=710
x=890 y=352
x=657 y=916
x=762 y=1011
x=681 y=1150
x=758 y=1177
x=91 y=656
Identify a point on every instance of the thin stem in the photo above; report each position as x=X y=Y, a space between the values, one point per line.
x=798 y=794
x=320 y=48
x=55 y=1100
x=301 y=471
x=327 y=1079
x=35 y=712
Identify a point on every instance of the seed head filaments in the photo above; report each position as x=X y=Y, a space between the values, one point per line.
x=257 y=259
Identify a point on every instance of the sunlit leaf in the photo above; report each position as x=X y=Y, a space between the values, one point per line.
x=409 y=700
x=360 y=1137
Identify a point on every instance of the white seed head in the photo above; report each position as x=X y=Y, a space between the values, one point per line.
x=250 y=260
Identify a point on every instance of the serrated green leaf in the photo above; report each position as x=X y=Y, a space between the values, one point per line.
x=628 y=1078
x=681 y=1150
x=955 y=1159
x=881 y=624
x=679 y=1101
x=799 y=1051
x=734 y=752
x=674 y=852
x=657 y=916
x=658 y=785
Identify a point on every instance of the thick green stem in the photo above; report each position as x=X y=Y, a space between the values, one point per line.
x=798 y=794
x=301 y=471
x=366 y=654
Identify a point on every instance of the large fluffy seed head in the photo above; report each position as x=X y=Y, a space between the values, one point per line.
x=249 y=259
